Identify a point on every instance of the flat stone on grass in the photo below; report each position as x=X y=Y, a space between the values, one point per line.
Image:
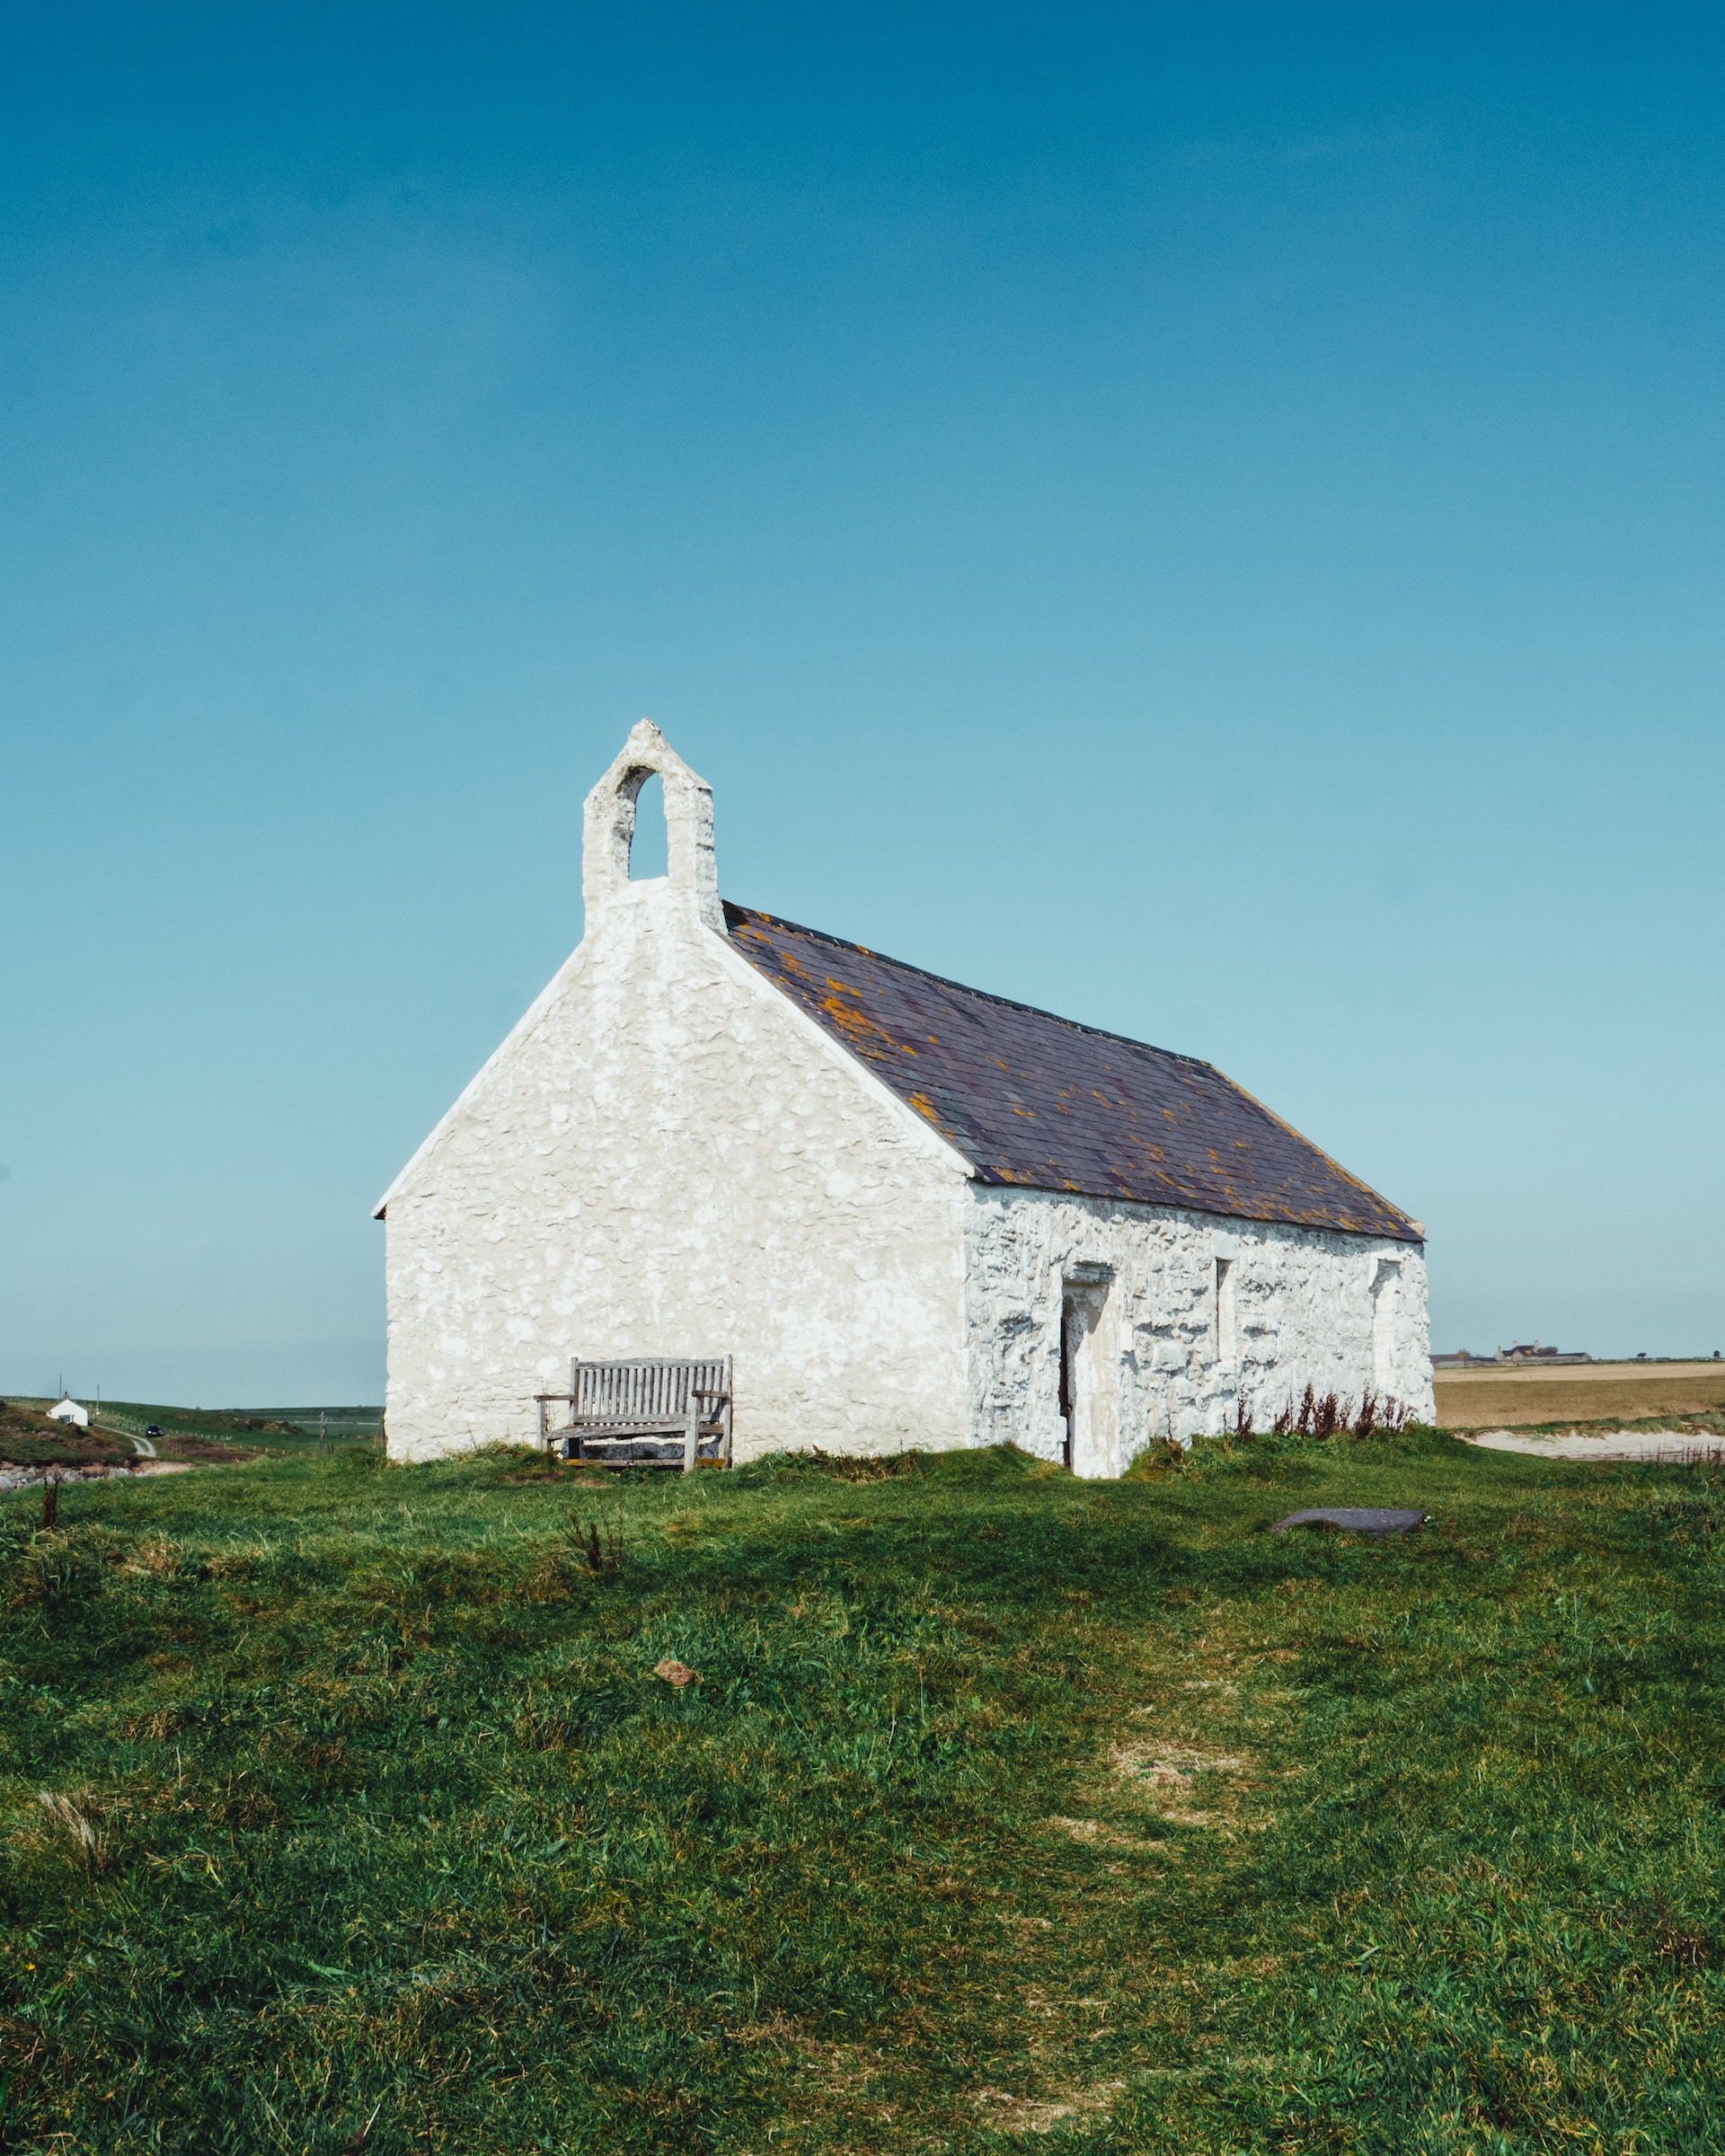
x=1368 y=1519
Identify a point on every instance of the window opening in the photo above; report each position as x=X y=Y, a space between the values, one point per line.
x=1224 y=1341
x=1386 y=1288
x=649 y=844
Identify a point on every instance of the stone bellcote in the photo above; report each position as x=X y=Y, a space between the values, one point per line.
x=608 y=826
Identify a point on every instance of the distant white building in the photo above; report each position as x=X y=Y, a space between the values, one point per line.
x=69 y=1410
x=915 y=1214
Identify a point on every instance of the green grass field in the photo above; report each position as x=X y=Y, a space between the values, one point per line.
x=343 y=1812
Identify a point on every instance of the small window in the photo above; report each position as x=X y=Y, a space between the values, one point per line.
x=1387 y=1296
x=1226 y=1347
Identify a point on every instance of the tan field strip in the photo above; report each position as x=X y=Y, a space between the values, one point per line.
x=1496 y=1399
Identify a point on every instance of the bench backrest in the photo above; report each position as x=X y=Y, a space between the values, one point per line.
x=643 y=1389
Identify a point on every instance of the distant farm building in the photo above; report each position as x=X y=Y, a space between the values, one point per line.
x=69 y=1410
x=1531 y=1351
x=914 y=1213
x=1527 y=1351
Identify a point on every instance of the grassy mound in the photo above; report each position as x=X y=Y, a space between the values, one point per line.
x=344 y=1810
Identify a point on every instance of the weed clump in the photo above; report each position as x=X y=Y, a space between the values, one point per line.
x=1321 y=1415
x=1164 y=1456
x=599 y=1547
x=1314 y=1419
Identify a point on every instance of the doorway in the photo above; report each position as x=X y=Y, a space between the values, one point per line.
x=1086 y=1375
x=1068 y=1387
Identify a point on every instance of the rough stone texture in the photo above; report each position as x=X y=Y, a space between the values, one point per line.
x=668 y=1156
x=608 y=828
x=664 y=1158
x=1299 y=1307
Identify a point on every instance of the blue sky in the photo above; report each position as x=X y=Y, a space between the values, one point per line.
x=1213 y=526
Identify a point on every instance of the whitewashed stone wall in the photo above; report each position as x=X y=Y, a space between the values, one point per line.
x=666 y=1157
x=1344 y=1313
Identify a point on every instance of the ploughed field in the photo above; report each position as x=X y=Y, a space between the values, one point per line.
x=344 y=1811
x=1579 y=1392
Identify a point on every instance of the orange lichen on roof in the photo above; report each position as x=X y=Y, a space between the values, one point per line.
x=1098 y=1086
x=855 y=1025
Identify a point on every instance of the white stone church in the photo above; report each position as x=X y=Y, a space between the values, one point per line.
x=915 y=1214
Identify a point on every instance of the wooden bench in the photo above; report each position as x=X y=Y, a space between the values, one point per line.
x=651 y=1411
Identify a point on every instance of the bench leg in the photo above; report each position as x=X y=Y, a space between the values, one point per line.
x=691 y=1444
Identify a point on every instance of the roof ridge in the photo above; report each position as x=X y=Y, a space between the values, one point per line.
x=1104 y=1116
x=987 y=995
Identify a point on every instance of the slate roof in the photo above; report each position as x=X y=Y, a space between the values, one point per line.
x=1034 y=1099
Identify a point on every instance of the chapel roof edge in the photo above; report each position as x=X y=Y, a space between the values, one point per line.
x=1037 y=1102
